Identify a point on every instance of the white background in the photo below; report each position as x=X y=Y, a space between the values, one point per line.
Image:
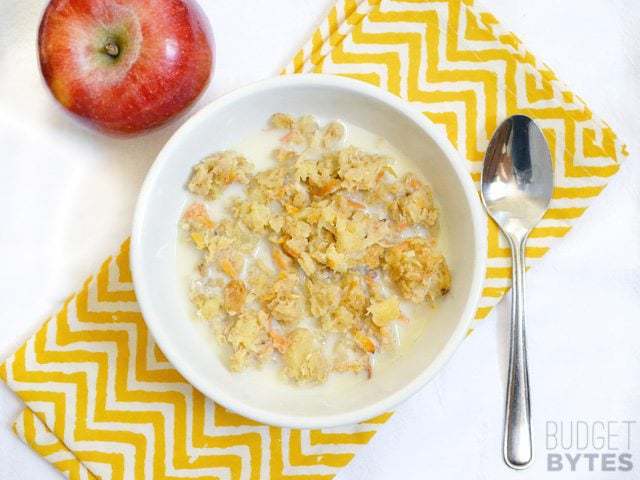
x=66 y=197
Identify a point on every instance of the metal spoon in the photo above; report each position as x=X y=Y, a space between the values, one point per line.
x=517 y=182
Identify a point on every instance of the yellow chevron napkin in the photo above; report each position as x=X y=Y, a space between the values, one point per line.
x=101 y=400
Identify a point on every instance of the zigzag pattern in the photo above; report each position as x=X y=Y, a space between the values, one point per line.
x=30 y=429
x=102 y=400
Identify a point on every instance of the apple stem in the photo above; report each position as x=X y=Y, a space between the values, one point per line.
x=111 y=48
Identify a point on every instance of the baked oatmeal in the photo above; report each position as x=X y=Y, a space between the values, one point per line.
x=314 y=260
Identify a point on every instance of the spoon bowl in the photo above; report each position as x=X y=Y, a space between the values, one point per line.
x=517 y=178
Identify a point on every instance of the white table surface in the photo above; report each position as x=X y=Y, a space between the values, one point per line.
x=67 y=196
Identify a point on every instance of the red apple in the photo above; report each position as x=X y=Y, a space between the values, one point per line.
x=125 y=65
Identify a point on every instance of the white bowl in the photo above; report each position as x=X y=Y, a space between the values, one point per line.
x=224 y=123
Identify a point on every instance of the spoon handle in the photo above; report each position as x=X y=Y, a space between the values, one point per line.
x=517 y=450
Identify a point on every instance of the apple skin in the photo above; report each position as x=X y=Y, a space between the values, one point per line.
x=125 y=66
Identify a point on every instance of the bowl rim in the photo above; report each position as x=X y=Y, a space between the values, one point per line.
x=163 y=338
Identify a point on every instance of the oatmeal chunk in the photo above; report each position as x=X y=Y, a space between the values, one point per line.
x=208 y=304
x=197 y=223
x=332 y=134
x=254 y=214
x=304 y=360
x=417 y=270
x=359 y=170
x=267 y=185
x=307 y=264
x=213 y=174
x=285 y=155
x=295 y=246
x=282 y=121
x=336 y=261
x=354 y=295
x=349 y=357
x=303 y=131
x=260 y=279
x=385 y=311
x=323 y=296
x=307 y=125
x=283 y=299
x=350 y=234
x=414 y=206
x=226 y=247
x=340 y=320
x=196 y=217
x=249 y=339
x=209 y=307
x=373 y=256
x=235 y=295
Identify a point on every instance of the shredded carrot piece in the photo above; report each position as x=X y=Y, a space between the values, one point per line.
x=280 y=259
x=364 y=342
x=227 y=267
x=280 y=343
